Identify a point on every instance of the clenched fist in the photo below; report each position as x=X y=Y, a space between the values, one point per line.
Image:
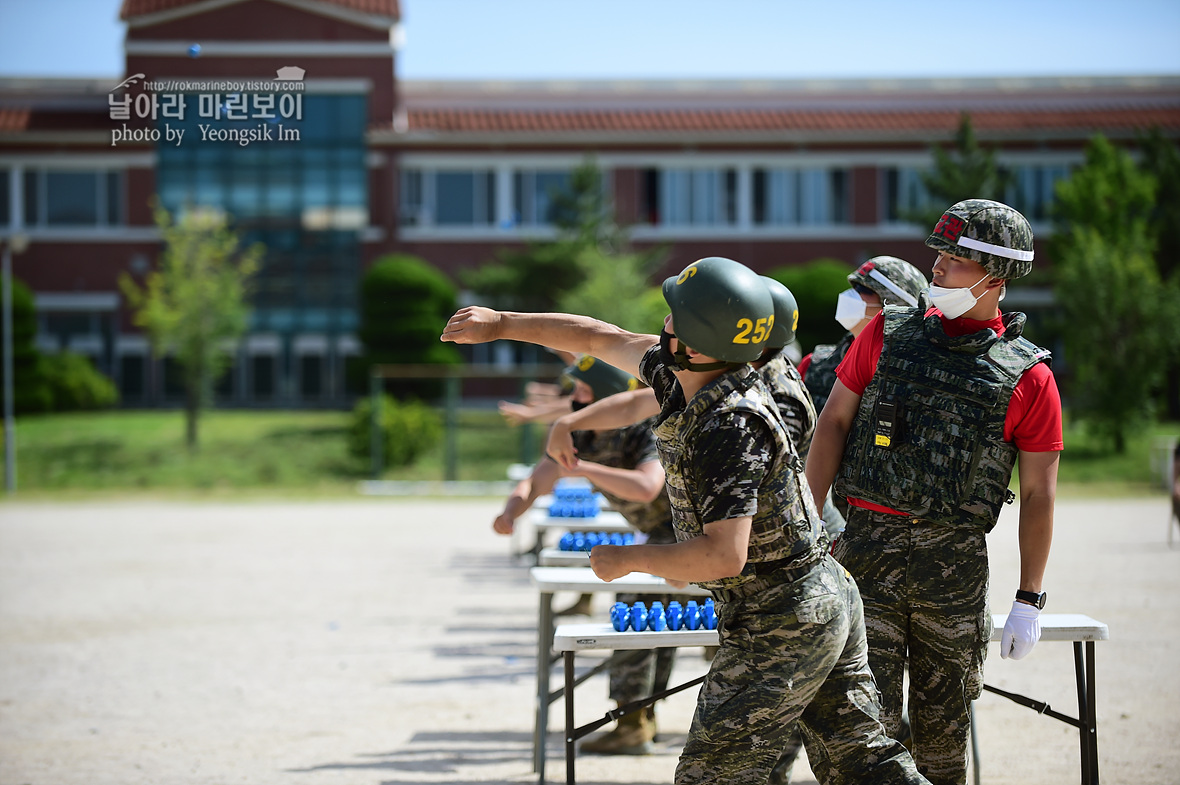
x=473 y=324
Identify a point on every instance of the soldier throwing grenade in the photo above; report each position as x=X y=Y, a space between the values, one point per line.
x=792 y=640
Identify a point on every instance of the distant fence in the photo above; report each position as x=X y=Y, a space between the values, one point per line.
x=452 y=376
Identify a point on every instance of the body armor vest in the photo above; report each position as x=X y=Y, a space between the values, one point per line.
x=821 y=373
x=928 y=439
x=793 y=400
x=786 y=526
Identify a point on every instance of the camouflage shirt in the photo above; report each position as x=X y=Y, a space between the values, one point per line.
x=627 y=448
x=727 y=454
x=794 y=402
x=821 y=373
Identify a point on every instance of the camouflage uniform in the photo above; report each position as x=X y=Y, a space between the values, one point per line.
x=945 y=464
x=793 y=400
x=791 y=628
x=647 y=672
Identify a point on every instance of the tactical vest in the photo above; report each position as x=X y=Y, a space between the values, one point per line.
x=928 y=439
x=793 y=400
x=617 y=449
x=786 y=526
x=821 y=373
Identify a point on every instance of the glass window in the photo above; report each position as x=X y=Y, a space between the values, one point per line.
x=5 y=209
x=905 y=193
x=464 y=198
x=71 y=198
x=698 y=197
x=801 y=197
x=536 y=194
x=1032 y=189
x=32 y=198
x=412 y=199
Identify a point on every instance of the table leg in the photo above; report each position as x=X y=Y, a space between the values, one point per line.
x=544 y=644
x=569 y=718
x=1087 y=711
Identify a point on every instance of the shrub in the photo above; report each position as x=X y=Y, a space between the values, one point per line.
x=408 y=429
x=815 y=286
x=76 y=384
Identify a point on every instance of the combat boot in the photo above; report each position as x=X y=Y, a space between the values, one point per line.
x=632 y=736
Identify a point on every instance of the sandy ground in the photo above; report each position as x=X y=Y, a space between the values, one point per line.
x=392 y=641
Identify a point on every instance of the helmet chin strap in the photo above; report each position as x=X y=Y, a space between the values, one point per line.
x=679 y=358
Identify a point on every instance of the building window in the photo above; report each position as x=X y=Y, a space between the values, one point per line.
x=70 y=198
x=537 y=196
x=800 y=197
x=905 y=194
x=696 y=197
x=448 y=197
x=1031 y=189
x=5 y=207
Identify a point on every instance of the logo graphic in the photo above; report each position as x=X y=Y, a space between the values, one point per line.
x=134 y=79
x=950 y=227
x=864 y=268
x=291 y=73
x=689 y=272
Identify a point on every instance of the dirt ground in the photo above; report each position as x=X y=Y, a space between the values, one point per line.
x=392 y=641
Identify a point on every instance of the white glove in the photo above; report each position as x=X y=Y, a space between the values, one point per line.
x=1021 y=631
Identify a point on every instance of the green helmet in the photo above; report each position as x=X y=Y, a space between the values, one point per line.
x=993 y=234
x=897 y=281
x=786 y=314
x=721 y=309
x=604 y=379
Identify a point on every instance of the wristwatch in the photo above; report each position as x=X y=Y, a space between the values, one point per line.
x=1032 y=598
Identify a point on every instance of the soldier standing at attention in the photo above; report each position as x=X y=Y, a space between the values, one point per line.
x=792 y=644
x=931 y=411
x=623 y=464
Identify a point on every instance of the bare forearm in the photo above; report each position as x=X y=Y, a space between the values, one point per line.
x=617 y=411
x=578 y=334
x=823 y=459
x=691 y=561
x=1036 y=538
x=628 y=484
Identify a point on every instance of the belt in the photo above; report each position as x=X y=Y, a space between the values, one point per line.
x=767 y=574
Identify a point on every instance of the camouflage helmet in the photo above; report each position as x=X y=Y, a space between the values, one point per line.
x=721 y=308
x=786 y=314
x=897 y=281
x=604 y=379
x=992 y=234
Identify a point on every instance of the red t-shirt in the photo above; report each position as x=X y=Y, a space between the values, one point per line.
x=1033 y=421
x=803 y=365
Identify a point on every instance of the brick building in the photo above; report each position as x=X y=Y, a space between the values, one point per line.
x=768 y=172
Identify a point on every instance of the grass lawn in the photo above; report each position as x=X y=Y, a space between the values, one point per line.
x=240 y=452
x=303 y=453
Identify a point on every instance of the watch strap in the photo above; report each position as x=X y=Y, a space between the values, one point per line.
x=1032 y=598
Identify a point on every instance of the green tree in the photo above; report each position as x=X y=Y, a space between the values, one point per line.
x=816 y=286
x=1161 y=157
x=615 y=290
x=967 y=171
x=405 y=303
x=1116 y=308
x=195 y=300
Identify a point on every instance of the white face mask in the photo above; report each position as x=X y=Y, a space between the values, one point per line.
x=954 y=302
x=850 y=309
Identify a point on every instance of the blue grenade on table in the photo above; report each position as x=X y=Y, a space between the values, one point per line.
x=674 y=615
x=639 y=617
x=692 y=615
x=709 y=615
x=620 y=616
x=656 y=620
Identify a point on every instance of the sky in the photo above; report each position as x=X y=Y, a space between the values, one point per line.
x=689 y=39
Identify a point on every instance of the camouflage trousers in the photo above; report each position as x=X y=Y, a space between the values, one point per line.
x=792 y=651
x=925 y=588
x=637 y=674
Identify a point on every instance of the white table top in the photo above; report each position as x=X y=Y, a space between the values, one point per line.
x=583 y=579
x=555 y=557
x=600 y=635
x=605 y=521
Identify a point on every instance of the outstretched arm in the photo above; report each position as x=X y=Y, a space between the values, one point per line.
x=641 y=484
x=540 y=481
x=615 y=411
x=720 y=552
x=565 y=332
